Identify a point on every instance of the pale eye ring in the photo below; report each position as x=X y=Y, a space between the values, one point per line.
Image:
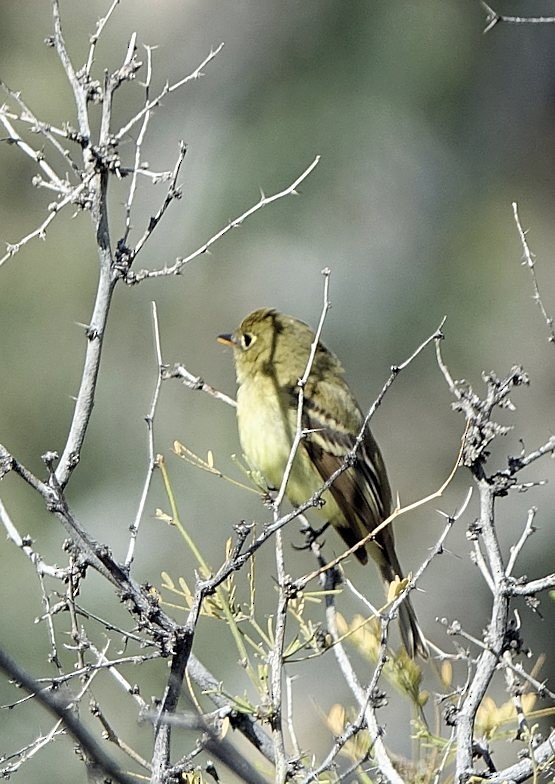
x=247 y=340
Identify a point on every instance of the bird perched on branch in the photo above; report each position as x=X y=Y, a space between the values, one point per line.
x=271 y=352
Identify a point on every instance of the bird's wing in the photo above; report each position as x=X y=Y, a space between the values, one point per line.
x=362 y=491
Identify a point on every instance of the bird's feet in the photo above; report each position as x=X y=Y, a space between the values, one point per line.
x=311 y=536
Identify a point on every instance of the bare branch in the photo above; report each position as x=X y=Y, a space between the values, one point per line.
x=101 y=24
x=516 y=549
x=150 y=105
x=172 y=194
x=493 y=18
x=53 y=703
x=62 y=186
x=539 y=687
x=176 y=268
x=138 y=150
x=543 y=757
x=364 y=697
x=198 y=383
x=290 y=716
x=149 y=419
x=25 y=545
x=531 y=588
x=85 y=397
x=47 y=130
x=40 y=232
x=275 y=661
x=301 y=384
x=79 y=93
x=276 y=654
x=530 y=262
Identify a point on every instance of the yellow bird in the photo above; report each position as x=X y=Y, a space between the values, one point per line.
x=271 y=352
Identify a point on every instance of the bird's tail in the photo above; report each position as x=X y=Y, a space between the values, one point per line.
x=411 y=633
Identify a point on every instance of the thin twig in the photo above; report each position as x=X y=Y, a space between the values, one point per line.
x=539 y=687
x=62 y=186
x=543 y=757
x=149 y=419
x=176 y=268
x=138 y=148
x=105 y=664
x=276 y=654
x=514 y=688
x=50 y=624
x=47 y=130
x=40 y=232
x=301 y=583
x=111 y=735
x=25 y=545
x=198 y=383
x=53 y=703
x=531 y=588
x=38 y=126
x=493 y=18
x=516 y=549
x=172 y=194
x=29 y=751
x=150 y=105
x=79 y=93
x=275 y=663
x=290 y=713
x=480 y=562
x=530 y=261
x=302 y=384
x=100 y=25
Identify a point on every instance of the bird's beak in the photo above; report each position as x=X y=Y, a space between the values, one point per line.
x=227 y=340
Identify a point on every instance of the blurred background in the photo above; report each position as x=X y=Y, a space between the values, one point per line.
x=428 y=131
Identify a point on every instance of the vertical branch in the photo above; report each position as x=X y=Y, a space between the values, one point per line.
x=85 y=396
x=364 y=697
x=161 y=755
x=299 y=434
x=276 y=656
x=79 y=93
x=276 y=665
x=107 y=276
x=530 y=261
x=138 y=148
x=101 y=24
x=95 y=331
x=495 y=640
x=481 y=430
x=100 y=762
x=149 y=419
x=290 y=713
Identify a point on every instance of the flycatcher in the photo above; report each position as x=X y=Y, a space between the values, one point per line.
x=271 y=352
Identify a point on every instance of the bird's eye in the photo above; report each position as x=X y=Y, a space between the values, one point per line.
x=247 y=340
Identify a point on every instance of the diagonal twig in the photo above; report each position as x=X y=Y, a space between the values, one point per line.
x=530 y=261
x=176 y=268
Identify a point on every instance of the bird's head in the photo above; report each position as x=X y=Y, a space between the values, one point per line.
x=269 y=342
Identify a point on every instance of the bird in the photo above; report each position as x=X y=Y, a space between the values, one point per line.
x=271 y=351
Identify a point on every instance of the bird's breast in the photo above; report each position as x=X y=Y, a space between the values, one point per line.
x=265 y=429
x=267 y=426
